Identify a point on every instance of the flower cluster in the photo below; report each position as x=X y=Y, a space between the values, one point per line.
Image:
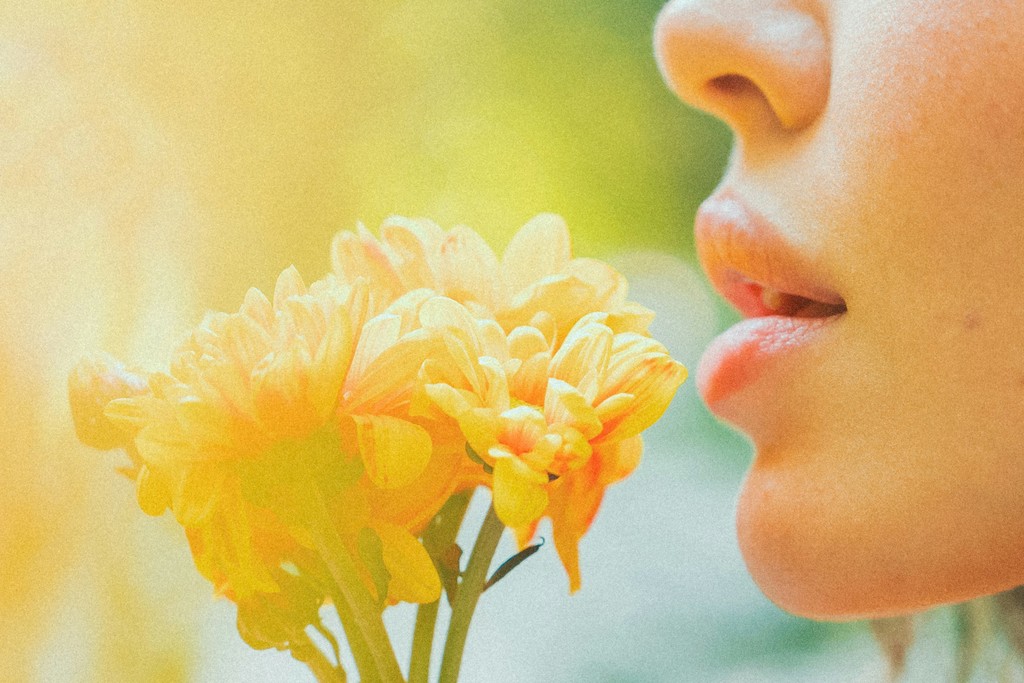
x=422 y=367
x=547 y=368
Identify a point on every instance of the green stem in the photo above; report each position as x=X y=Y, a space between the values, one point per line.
x=354 y=598
x=360 y=651
x=440 y=534
x=423 y=642
x=469 y=593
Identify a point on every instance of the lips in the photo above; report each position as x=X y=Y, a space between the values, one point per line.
x=780 y=290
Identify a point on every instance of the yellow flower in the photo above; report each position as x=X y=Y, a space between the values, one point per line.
x=305 y=442
x=284 y=401
x=364 y=392
x=556 y=423
x=536 y=282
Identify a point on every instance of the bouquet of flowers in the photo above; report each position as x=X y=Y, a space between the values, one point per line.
x=320 y=446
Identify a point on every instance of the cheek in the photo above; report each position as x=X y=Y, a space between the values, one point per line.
x=928 y=104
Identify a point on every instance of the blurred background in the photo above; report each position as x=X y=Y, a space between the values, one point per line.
x=157 y=159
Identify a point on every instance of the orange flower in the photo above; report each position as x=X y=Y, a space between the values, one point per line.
x=556 y=424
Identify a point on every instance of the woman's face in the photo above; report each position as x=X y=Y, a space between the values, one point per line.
x=877 y=181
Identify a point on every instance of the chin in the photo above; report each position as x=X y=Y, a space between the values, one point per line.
x=823 y=552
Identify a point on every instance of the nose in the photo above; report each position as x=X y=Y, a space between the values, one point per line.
x=756 y=64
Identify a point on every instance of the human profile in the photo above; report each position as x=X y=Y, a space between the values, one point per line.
x=870 y=227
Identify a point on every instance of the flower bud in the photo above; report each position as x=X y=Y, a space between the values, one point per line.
x=92 y=384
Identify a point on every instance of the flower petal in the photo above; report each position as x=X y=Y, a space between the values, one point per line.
x=529 y=382
x=541 y=248
x=411 y=243
x=245 y=340
x=561 y=298
x=467 y=268
x=414 y=505
x=614 y=407
x=197 y=493
x=330 y=366
x=564 y=404
x=619 y=459
x=608 y=285
x=247 y=573
x=204 y=425
x=258 y=307
x=574 y=504
x=632 y=317
x=480 y=426
x=289 y=284
x=389 y=381
x=360 y=255
x=394 y=451
x=519 y=495
x=653 y=379
x=413 y=575
x=379 y=333
x=584 y=354
x=524 y=534
x=279 y=392
x=161 y=443
x=152 y=491
x=92 y=385
x=525 y=341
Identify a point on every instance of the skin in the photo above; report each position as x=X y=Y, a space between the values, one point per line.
x=885 y=139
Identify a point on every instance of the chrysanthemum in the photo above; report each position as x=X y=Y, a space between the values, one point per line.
x=267 y=409
x=556 y=425
x=303 y=443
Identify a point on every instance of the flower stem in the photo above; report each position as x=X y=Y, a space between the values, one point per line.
x=355 y=600
x=423 y=642
x=469 y=593
x=360 y=651
x=439 y=534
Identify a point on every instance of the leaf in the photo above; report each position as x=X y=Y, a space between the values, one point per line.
x=512 y=562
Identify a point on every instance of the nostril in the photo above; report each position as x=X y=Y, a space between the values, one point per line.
x=739 y=101
x=731 y=85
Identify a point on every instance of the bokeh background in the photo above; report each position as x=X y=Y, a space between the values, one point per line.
x=158 y=158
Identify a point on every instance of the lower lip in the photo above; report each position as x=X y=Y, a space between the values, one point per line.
x=741 y=354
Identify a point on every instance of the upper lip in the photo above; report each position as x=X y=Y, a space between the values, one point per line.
x=750 y=263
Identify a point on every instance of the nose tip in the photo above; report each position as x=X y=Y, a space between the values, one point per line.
x=752 y=63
